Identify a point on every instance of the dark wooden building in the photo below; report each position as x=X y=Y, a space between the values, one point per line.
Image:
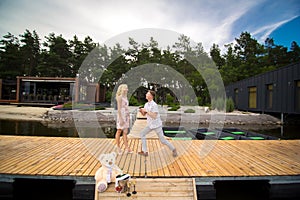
x=49 y=90
x=276 y=91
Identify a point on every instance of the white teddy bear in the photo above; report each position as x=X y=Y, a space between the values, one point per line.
x=107 y=172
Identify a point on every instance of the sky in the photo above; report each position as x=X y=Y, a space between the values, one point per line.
x=205 y=21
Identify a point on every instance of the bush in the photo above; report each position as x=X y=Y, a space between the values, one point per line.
x=108 y=95
x=133 y=101
x=81 y=106
x=229 y=105
x=189 y=111
x=218 y=104
x=169 y=99
x=174 y=107
x=68 y=105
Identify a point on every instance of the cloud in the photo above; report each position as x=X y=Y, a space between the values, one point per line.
x=266 y=17
x=265 y=31
x=203 y=21
x=212 y=21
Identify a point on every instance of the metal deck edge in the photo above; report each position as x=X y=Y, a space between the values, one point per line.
x=290 y=179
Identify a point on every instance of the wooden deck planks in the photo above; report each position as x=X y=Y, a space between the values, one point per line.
x=267 y=163
x=47 y=156
x=155 y=188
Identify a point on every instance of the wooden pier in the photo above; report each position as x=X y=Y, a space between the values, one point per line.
x=55 y=156
x=76 y=158
x=155 y=188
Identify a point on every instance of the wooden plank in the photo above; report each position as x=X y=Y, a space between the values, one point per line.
x=92 y=161
x=253 y=155
x=75 y=164
x=211 y=161
x=69 y=159
x=195 y=189
x=25 y=155
x=156 y=188
x=188 y=163
x=151 y=169
x=131 y=163
x=282 y=153
x=35 y=151
x=61 y=157
x=44 y=161
x=158 y=167
x=223 y=155
x=21 y=157
x=194 y=156
x=160 y=159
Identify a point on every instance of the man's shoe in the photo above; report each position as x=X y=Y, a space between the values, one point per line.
x=143 y=153
x=175 y=153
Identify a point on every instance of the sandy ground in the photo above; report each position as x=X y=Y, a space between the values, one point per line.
x=12 y=112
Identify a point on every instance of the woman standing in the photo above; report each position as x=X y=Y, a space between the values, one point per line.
x=122 y=117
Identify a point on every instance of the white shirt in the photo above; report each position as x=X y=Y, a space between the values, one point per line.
x=151 y=106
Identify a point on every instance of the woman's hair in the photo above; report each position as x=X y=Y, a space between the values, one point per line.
x=120 y=89
x=152 y=93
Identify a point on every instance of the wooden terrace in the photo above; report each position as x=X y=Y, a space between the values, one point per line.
x=55 y=156
x=76 y=158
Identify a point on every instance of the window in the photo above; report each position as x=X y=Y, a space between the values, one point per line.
x=269 y=97
x=297 y=97
x=252 y=97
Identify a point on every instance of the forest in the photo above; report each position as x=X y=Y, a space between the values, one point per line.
x=26 y=55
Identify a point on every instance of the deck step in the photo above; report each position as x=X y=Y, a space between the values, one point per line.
x=155 y=188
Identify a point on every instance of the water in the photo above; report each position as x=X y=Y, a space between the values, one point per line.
x=283 y=132
x=286 y=132
x=32 y=128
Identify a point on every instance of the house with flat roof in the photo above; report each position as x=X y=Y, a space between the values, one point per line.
x=49 y=90
x=276 y=91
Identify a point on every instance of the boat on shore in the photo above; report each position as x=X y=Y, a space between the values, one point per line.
x=233 y=133
x=247 y=135
x=213 y=134
x=178 y=132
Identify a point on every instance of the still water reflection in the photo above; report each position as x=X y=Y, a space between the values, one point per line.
x=30 y=128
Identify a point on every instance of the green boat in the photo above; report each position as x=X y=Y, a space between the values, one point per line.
x=248 y=135
x=177 y=132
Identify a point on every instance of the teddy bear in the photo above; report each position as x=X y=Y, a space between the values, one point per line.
x=107 y=172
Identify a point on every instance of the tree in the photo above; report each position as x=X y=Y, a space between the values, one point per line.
x=80 y=50
x=249 y=52
x=10 y=57
x=295 y=52
x=229 y=71
x=276 y=55
x=56 y=61
x=59 y=57
x=30 y=51
x=117 y=67
x=215 y=54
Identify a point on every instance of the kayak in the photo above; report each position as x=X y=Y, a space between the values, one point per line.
x=177 y=132
x=248 y=135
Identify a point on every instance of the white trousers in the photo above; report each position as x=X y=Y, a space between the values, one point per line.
x=159 y=133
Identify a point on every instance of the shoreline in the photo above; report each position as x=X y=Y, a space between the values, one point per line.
x=11 y=112
x=202 y=117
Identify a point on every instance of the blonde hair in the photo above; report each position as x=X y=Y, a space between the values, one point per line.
x=121 y=89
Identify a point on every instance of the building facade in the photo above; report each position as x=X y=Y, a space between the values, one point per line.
x=49 y=90
x=276 y=91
